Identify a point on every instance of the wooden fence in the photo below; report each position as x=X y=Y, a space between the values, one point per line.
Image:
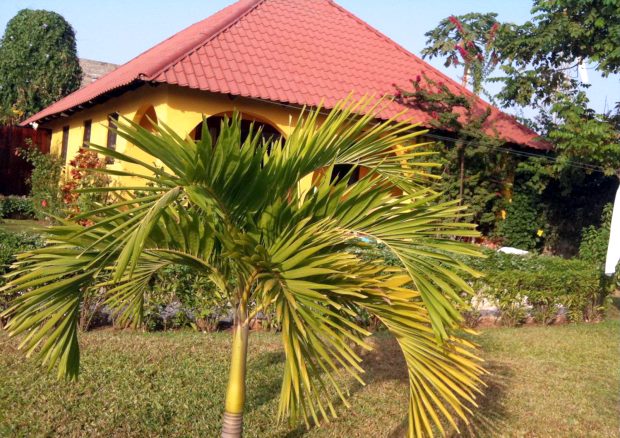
x=14 y=170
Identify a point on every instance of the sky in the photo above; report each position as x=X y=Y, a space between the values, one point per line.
x=117 y=30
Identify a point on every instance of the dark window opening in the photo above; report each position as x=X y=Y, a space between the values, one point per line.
x=87 y=128
x=65 y=143
x=269 y=133
x=340 y=171
x=111 y=143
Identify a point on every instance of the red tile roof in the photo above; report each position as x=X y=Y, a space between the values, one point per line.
x=302 y=52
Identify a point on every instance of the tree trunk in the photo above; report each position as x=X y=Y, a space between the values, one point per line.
x=232 y=426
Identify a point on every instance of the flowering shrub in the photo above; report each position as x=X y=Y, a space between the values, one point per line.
x=83 y=174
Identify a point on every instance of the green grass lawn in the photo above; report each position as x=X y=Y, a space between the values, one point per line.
x=545 y=382
x=21 y=225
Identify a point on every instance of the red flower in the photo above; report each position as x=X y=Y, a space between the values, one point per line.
x=418 y=78
x=462 y=51
x=44 y=203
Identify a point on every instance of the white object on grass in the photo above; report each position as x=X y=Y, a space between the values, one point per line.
x=613 y=248
x=511 y=250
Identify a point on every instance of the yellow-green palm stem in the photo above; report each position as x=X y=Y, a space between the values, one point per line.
x=235 y=393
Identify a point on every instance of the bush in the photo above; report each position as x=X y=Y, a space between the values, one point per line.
x=179 y=298
x=44 y=182
x=522 y=227
x=539 y=286
x=16 y=207
x=594 y=240
x=12 y=244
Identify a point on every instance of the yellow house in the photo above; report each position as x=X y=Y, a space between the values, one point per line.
x=264 y=58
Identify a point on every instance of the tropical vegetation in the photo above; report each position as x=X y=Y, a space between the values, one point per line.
x=234 y=213
x=531 y=62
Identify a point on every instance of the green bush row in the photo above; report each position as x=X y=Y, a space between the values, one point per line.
x=17 y=207
x=536 y=286
x=539 y=286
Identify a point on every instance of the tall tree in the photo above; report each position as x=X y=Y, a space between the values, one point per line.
x=233 y=211
x=38 y=63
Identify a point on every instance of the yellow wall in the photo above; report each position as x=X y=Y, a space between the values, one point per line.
x=180 y=108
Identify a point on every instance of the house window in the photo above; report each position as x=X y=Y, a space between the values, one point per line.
x=111 y=143
x=269 y=133
x=65 y=143
x=87 y=127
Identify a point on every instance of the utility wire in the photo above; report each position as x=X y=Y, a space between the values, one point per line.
x=571 y=163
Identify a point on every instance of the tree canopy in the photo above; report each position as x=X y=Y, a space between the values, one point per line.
x=38 y=63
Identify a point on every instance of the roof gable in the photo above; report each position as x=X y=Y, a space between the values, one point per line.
x=303 y=52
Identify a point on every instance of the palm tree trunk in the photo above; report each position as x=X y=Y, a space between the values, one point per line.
x=232 y=426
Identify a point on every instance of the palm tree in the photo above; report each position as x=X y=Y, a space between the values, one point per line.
x=234 y=212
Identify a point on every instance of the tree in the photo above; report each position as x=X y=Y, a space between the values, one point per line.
x=562 y=34
x=234 y=212
x=535 y=58
x=472 y=171
x=467 y=40
x=38 y=63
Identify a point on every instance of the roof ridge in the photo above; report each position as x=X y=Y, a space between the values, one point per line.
x=226 y=24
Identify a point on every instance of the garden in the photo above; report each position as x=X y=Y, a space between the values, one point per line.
x=548 y=338
x=351 y=278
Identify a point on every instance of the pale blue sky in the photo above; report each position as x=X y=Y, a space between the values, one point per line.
x=117 y=30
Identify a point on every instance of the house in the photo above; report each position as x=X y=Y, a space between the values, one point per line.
x=265 y=58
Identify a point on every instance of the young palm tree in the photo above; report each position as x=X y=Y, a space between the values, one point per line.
x=233 y=211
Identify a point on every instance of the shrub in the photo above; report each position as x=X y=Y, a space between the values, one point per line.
x=540 y=286
x=12 y=244
x=594 y=240
x=44 y=182
x=84 y=174
x=523 y=226
x=17 y=207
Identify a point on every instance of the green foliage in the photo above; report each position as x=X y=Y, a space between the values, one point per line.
x=562 y=33
x=38 y=62
x=467 y=40
x=539 y=285
x=535 y=58
x=12 y=244
x=233 y=208
x=180 y=297
x=472 y=170
x=595 y=239
x=85 y=173
x=44 y=182
x=16 y=207
x=581 y=135
x=523 y=227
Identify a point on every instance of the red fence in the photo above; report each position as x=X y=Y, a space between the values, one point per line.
x=14 y=170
